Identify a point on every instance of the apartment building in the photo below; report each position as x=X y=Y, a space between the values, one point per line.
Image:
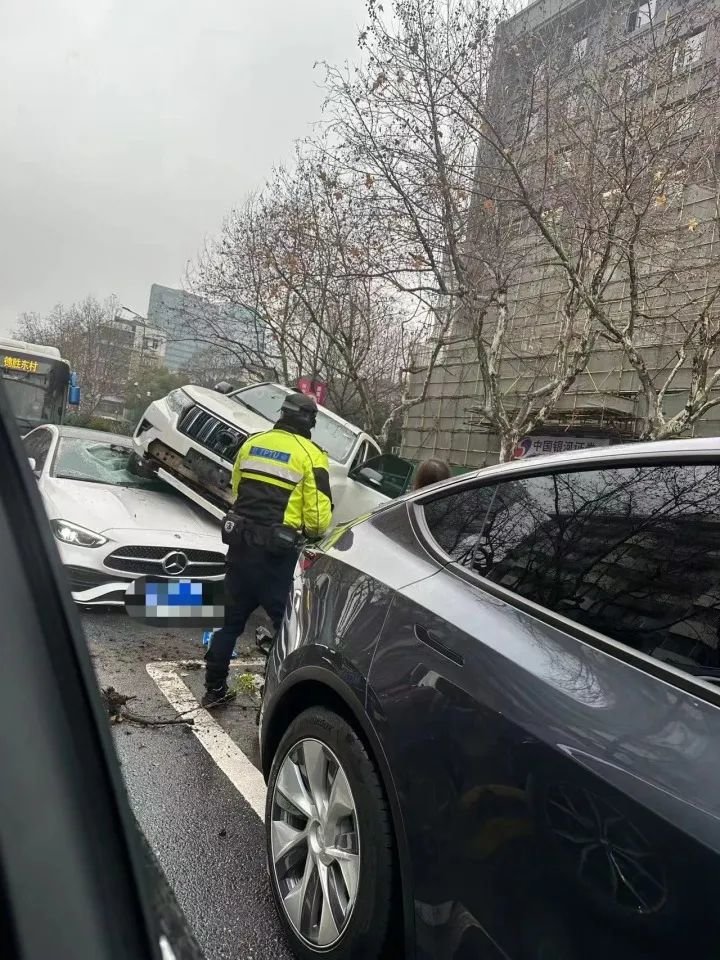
x=658 y=59
x=130 y=347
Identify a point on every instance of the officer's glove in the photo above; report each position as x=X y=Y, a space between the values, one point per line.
x=312 y=540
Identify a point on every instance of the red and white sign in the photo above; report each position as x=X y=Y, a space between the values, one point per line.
x=537 y=446
x=313 y=388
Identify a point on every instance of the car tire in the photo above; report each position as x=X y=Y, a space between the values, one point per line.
x=315 y=737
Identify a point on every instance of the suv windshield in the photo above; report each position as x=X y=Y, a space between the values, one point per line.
x=97 y=462
x=266 y=399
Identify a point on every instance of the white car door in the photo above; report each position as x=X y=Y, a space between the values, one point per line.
x=369 y=485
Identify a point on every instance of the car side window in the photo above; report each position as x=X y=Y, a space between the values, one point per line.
x=457 y=520
x=388 y=474
x=37 y=445
x=361 y=456
x=633 y=553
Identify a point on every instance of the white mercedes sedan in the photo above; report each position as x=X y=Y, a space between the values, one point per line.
x=111 y=526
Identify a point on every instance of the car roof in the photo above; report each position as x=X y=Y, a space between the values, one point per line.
x=619 y=451
x=321 y=409
x=101 y=436
x=588 y=457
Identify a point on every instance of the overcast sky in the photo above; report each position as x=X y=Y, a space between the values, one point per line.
x=128 y=128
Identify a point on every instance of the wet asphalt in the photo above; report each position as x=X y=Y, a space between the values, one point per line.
x=207 y=839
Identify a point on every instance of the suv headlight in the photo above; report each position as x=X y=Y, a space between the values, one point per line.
x=79 y=536
x=178 y=400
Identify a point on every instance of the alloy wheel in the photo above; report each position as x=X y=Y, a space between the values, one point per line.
x=315 y=843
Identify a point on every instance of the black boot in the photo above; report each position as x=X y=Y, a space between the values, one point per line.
x=218 y=696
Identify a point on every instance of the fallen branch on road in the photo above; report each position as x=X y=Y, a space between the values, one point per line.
x=116 y=705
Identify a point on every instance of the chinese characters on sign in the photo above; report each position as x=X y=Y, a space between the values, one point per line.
x=536 y=446
x=18 y=363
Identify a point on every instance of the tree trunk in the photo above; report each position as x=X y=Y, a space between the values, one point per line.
x=508 y=443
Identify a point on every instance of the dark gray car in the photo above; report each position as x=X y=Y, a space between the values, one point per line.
x=491 y=722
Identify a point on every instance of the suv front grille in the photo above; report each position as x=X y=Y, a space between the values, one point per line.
x=148 y=561
x=212 y=433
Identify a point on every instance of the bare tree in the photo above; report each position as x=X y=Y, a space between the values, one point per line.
x=86 y=336
x=299 y=253
x=606 y=139
x=456 y=242
x=538 y=183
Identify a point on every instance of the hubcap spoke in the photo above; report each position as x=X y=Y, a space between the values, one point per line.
x=349 y=864
x=290 y=786
x=296 y=901
x=328 y=930
x=316 y=771
x=285 y=838
x=340 y=803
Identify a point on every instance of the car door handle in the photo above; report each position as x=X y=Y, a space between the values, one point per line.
x=430 y=639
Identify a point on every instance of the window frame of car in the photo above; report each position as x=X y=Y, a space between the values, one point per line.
x=587 y=461
x=370 y=451
x=41 y=465
x=356 y=474
x=83 y=824
x=361 y=454
x=110 y=440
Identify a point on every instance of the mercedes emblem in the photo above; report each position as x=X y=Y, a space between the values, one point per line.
x=174 y=563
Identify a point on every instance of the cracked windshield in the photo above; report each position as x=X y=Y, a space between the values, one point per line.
x=362 y=361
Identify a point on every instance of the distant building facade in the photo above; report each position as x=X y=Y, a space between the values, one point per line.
x=134 y=345
x=190 y=324
x=605 y=403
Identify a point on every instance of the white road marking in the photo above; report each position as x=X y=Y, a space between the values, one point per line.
x=245 y=777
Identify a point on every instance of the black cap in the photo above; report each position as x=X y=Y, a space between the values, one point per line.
x=299 y=403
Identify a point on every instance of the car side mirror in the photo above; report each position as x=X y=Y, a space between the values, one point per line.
x=372 y=476
x=223 y=387
x=33 y=466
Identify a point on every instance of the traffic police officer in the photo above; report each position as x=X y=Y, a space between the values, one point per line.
x=282 y=487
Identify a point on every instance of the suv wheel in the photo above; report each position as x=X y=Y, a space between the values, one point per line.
x=329 y=841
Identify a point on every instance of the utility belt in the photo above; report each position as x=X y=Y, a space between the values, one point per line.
x=239 y=532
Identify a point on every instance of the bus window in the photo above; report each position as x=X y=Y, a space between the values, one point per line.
x=39 y=396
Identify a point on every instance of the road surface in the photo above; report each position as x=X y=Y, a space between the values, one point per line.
x=205 y=833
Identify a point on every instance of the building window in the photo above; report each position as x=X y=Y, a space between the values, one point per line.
x=636 y=76
x=685 y=119
x=641 y=14
x=689 y=52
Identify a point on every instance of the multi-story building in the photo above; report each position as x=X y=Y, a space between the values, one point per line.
x=130 y=346
x=192 y=325
x=613 y=45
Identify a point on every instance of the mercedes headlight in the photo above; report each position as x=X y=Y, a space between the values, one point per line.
x=78 y=536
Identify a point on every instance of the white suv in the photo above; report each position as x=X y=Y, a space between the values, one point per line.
x=191 y=437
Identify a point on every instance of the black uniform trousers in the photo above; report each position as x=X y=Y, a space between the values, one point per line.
x=254 y=577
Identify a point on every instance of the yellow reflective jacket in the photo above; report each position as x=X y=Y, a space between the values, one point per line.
x=280 y=477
